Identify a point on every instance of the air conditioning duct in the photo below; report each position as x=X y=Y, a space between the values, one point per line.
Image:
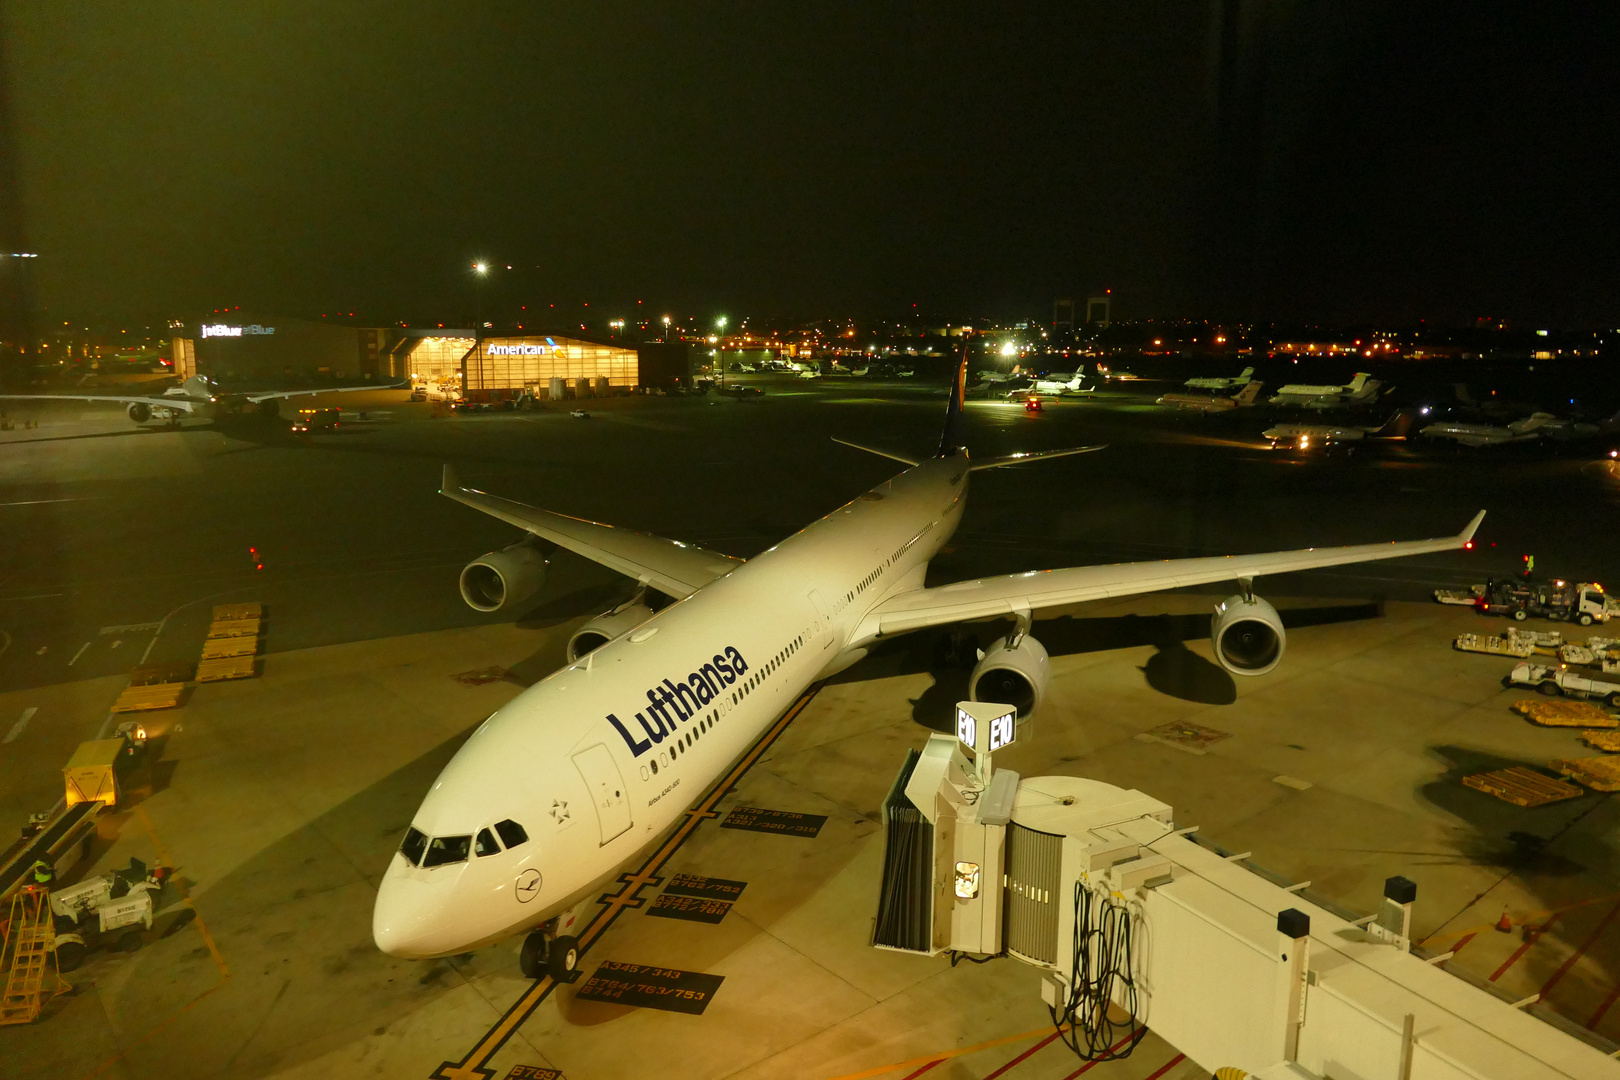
x=1013 y=671
x=503 y=578
x=1248 y=635
x=607 y=626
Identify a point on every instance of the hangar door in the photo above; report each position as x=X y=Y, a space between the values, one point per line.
x=607 y=790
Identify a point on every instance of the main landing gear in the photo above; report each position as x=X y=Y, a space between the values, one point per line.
x=544 y=954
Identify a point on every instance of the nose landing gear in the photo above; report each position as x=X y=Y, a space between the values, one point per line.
x=543 y=954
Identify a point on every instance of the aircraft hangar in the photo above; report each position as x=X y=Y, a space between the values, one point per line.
x=742 y=944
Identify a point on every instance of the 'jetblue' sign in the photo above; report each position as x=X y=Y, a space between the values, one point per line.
x=222 y=330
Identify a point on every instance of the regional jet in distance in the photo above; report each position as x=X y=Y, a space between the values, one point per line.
x=197 y=396
x=578 y=775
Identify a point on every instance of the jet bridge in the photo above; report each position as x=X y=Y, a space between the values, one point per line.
x=1134 y=926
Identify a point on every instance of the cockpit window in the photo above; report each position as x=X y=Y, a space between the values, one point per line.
x=443 y=850
x=485 y=844
x=512 y=833
x=413 y=846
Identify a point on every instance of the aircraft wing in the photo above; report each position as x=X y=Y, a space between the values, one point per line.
x=670 y=566
x=178 y=404
x=266 y=395
x=1010 y=593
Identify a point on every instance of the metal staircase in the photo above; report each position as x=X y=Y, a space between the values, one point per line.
x=28 y=957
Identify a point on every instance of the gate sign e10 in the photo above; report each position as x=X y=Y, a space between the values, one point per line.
x=986 y=726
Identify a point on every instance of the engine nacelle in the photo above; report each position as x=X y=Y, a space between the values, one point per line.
x=607 y=626
x=503 y=578
x=1248 y=635
x=1012 y=675
x=139 y=411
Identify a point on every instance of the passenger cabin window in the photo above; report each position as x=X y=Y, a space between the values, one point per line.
x=413 y=846
x=511 y=833
x=484 y=843
x=444 y=850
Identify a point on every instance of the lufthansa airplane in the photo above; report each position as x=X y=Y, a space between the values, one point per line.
x=578 y=775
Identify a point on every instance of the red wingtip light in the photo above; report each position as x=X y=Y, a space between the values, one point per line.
x=1468 y=545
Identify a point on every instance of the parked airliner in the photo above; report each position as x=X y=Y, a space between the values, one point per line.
x=197 y=396
x=578 y=775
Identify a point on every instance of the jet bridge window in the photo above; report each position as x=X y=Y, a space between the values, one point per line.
x=413 y=846
x=443 y=850
x=484 y=843
x=511 y=833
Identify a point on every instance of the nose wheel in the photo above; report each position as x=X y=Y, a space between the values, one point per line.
x=542 y=956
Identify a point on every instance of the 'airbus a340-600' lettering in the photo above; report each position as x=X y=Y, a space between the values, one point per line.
x=556 y=792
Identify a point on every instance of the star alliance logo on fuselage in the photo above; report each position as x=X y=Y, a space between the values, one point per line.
x=670 y=703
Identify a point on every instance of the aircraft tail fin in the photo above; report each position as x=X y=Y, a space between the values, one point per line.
x=950 y=439
x=1247 y=395
x=1357 y=381
x=1246 y=372
x=1396 y=427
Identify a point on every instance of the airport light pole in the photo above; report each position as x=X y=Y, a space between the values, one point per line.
x=720 y=350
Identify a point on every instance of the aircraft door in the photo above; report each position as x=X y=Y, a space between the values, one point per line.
x=607 y=790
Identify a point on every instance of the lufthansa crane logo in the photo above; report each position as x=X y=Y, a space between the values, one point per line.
x=528 y=885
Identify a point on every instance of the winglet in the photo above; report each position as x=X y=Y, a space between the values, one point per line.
x=449 y=481
x=1468 y=532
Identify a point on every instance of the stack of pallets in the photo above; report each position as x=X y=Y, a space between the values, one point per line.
x=156 y=686
x=1582 y=714
x=233 y=642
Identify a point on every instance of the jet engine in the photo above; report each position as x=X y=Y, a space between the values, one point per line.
x=1247 y=634
x=139 y=411
x=505 y=577
x=607 y=626
x=1013 y=671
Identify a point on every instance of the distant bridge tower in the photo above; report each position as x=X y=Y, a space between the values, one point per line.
x=1098 y=309
x=1063 y=315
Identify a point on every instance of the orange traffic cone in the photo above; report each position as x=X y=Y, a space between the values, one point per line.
x=1504 y=924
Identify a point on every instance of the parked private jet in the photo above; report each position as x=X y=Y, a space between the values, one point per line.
x=1213 y=402
x=1360 y=390
x=1220 y=382
x=197 y=396
x=1324 y=437
x=581 y=773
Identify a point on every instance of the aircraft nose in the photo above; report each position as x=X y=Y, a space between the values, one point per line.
x=410 y=918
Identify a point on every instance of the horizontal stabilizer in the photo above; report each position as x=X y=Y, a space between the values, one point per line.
x=879 y=453
x=1038 y=455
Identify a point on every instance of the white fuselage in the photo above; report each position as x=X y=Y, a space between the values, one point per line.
x=597 y=761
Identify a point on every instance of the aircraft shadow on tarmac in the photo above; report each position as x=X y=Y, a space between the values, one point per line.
x=1174 y=669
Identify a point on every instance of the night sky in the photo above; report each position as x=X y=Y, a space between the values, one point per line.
x=1239 y=159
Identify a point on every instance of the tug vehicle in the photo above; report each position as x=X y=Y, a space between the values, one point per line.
x=111 y=911
x=1554 y=681
x=311 y=420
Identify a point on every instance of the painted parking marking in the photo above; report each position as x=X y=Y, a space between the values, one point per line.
x=690 y=908
x=17 y=728
x=78 y=654
x=640 y=986
x=1570 y=961
x=131 y=628
x=782 y=822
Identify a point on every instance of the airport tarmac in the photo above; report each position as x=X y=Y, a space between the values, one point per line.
x=280 y=798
